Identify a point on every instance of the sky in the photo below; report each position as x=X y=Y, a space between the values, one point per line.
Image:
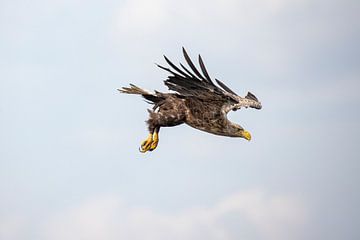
x=69 y=161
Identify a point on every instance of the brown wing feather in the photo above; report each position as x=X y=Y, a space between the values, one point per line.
x=192 y=83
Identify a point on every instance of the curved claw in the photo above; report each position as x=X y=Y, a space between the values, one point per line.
x=146 y=145
x=153 y=146
x=143 y=150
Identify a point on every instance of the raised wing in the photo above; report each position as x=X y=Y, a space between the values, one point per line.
x=199 y=84
x=195 y=83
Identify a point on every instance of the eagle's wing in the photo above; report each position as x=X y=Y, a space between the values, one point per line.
x=193 y=83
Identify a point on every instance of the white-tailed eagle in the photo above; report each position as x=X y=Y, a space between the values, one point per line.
x=196 y=101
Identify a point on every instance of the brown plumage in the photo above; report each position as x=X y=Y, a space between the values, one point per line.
x=196 y=101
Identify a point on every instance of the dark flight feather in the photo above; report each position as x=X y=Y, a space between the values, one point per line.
x=188 y=71
x=170 y=71
x=226 y=88
x=203 y=69
x=175 y=67
x=192 y=66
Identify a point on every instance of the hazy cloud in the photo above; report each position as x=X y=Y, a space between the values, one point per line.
x=253 y=214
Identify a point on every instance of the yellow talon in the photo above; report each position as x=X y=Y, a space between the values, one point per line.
x=146 y=145
x=155 y=141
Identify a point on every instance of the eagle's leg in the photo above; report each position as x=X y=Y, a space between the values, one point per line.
x=167 y=116
x=155 y=139
x=146 y=144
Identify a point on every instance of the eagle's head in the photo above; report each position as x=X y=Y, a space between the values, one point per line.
x=238 y=131
x=244 y=134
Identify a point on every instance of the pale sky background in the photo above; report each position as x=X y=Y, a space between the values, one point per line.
x=69 y=161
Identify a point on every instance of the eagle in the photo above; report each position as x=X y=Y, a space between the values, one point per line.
x=194 y=100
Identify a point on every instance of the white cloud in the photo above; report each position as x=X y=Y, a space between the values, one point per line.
x=270 y=217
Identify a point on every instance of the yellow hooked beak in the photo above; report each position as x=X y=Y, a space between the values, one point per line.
x=247 y=135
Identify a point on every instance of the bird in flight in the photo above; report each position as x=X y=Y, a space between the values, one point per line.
x=195 y=100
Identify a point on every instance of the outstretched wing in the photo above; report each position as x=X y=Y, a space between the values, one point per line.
x=193 y=83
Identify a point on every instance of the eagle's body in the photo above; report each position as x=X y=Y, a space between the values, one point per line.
x=197 y=101
x=203 y=115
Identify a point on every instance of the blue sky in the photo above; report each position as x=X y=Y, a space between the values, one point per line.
x=69 y=164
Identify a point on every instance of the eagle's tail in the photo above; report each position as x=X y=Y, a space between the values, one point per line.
x=153 y=97
x=135 y=90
